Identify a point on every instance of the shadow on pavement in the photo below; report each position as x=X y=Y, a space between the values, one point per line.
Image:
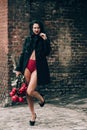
x=74 y=101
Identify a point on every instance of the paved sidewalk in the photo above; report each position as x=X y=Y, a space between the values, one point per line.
x=55 y=115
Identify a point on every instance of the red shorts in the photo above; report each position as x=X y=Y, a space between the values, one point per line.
x=31 y=65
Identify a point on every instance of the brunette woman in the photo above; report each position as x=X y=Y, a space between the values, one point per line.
x=33 y=64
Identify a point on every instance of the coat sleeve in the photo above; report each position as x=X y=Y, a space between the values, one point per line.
x=46 y=47
x=21 y=58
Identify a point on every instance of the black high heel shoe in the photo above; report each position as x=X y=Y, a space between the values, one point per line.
x=42 y=103
x=32 y=123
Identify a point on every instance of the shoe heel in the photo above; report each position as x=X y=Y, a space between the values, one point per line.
x=32 y=123
x=42 y=104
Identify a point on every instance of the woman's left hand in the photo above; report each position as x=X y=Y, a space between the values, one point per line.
x=43 y=35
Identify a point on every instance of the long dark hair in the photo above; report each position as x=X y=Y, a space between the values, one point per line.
x=40 y=25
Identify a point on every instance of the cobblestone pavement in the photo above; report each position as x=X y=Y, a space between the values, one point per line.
x=57 y=114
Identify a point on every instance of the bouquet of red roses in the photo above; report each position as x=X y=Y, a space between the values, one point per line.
x=18 y=92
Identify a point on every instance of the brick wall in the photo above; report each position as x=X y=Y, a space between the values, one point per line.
x=66 y=25
x=3 y=49
x=18 y=24
x=14 y=23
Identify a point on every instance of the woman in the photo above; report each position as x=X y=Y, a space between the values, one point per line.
x=33 y=64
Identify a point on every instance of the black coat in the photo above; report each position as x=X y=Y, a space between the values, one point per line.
x=42 y=49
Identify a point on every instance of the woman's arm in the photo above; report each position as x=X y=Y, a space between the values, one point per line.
x=46 y=47
x=46 y=44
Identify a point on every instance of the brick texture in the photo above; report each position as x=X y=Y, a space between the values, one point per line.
x=3 y=49
x=66 y=25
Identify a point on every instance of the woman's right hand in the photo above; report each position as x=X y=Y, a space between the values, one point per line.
x=18 y=73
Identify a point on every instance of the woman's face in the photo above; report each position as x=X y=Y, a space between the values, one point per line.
x=36 y=28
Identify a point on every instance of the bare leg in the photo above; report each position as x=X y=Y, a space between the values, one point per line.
x=32 y=93
x=32 y=86
x=31 y=106
x=27 y=75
